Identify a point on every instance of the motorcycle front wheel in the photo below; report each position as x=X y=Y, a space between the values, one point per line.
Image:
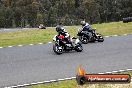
x=57 y=49
x=100 y=39
x=84 y=39
x=78 y=48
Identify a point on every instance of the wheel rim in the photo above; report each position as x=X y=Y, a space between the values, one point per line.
x=84 y=39
x=58 y=50
x=80 y=48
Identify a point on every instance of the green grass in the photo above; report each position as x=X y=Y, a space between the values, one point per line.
x=44 y=36
x=62 y=84
x=26 y=37
x=113 y=28
x=73 y=84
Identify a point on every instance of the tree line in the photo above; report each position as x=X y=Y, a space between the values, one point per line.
x=19 y=13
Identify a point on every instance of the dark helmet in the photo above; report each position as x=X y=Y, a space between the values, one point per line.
x=59 y=28
x=83 y=23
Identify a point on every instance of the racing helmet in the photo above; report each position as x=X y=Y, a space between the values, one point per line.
x=83 y=23
x=59 y=29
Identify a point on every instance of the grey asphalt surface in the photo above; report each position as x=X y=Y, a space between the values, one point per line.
x=20 y=65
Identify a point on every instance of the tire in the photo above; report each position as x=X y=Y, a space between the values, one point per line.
x=81 y=80
x=100 y=39
x=84 y=39
x=92 y=40
x=79 y=48
x=127 y=19
x=56 y=50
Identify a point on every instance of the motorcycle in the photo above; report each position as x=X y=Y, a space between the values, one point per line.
x=62 y=44
x=86 y=37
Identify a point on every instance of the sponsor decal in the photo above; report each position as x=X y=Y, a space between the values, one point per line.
x=83 y=78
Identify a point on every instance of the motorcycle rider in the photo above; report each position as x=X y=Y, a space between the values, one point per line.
x=86 y=28
x=61 y=31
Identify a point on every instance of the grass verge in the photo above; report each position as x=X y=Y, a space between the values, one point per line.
x=73 y=84
x=44 y=36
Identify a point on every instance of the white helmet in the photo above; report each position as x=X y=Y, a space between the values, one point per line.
x=83 y=23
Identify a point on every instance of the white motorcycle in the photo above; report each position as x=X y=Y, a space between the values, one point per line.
x=62 y=44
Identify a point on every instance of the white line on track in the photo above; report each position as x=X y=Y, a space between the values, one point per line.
x=101 y=73
x=33 y=83
x=109 y=72
x=20 y=45
x=53 y=80
x=121 y=70
x=68 y=78
x=10 y=46
x=115 y=35
x=129 y=69
x=73 y=77
x=114 y=71
x=1 y=47
x=40 y=82
x=31 y=44
x=49 y=42
x=106 y=36
x=46 y=81
x=125 y=34
x=20 y=85
x=61 y=79
x=26 y=84
x=40 y=43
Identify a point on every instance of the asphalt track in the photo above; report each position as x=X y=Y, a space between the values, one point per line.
x=6 y=30
x=27 y=64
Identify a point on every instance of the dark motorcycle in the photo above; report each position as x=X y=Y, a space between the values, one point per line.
x=86 y=37
x=62 y=44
